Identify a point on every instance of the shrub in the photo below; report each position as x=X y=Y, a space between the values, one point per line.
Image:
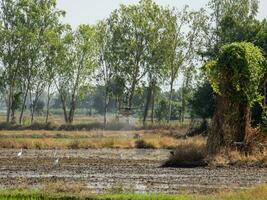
x=9 y=126
x=42 y=126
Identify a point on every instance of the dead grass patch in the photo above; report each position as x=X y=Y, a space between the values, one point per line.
x=188 y=154
x=236 y=158
x=85 y=139
x=64 y=187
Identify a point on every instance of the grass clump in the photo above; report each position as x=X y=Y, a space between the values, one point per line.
x=187 y=156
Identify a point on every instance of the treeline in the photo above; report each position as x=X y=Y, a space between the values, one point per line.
x=133 y=57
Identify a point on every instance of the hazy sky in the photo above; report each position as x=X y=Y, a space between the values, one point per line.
x=91 y=11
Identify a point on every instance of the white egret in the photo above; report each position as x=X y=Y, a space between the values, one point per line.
x=20 y=153
x=56 y=162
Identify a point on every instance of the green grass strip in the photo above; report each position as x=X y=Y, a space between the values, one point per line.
x=256 y=193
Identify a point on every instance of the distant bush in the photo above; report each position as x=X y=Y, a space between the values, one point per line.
x=113 y=126
x=42 y=126
x=77 y=127
x=9 y=126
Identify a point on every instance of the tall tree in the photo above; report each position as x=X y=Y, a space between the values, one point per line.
x=159 y=30
x=78 y=61
x=128 y=44
x=11 y=45
x=186 y=41
x=231 y=21
x=235 y=76
x=52 y=59
x=23 y=25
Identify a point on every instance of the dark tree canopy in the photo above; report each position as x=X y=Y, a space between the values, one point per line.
x=203 y=101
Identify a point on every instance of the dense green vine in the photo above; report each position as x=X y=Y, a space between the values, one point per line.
x=237 y=72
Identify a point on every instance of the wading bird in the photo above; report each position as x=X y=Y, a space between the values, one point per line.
x=56 y=162
x=20 y=153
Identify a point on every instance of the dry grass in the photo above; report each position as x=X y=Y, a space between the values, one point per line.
x=258 y=192
x=96 y=122
x=235 y=158
x=57 y=119
x=192 y=152
x=84 y=139
x=189 y=153
x=64 y=187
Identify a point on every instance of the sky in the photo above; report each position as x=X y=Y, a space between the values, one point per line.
x=92 y=11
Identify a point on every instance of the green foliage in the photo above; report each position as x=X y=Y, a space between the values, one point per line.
x=162 y=110
x=16 y=101
x=39 y=107
x=261 y=37
x=203 y=101
x=238 y=72
x=232 y=21
x=137 y=48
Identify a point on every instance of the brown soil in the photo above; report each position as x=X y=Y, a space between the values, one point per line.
x=104 y=170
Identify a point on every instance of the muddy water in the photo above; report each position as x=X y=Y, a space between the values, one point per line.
x=110 y=169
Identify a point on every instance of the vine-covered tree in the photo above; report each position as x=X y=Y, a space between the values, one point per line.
x=235 y=76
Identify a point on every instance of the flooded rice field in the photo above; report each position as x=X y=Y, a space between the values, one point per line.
x=131 y=170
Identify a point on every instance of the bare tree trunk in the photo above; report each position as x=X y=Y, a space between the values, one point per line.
x=24 y=102
x=153 y=104
x=183 y=111
x=117 y=109
x=72 y=111
x=132 y=94
x=48 y=104
x=9 y=104
x=13 y=117
x=170 y=101
x=149 y=94
x=231 y=123
x=106 y=106
x=183 y=105
x=66 y=118
x=34 y=105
